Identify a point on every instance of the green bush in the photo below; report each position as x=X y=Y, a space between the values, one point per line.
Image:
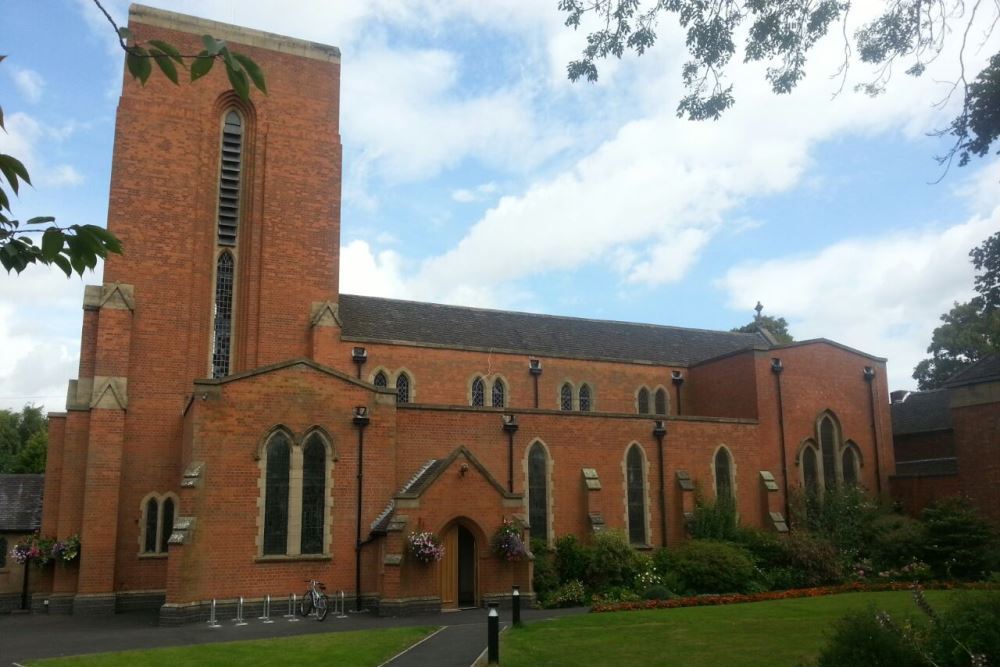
x=959 y=541
x=859 y=639
x=972 y=625
x=841 y=515
x=572 y=559
x=709 y=566
x=812 y=560
x=570 y=594
x=895 y=540
x=546 y=578
x=714 y=520
x=658 y=593
x=613 y=562
x=615 y=594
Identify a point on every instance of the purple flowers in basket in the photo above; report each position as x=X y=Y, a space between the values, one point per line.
x=425 y=547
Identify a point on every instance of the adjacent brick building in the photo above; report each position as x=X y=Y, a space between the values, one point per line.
x=238 y=425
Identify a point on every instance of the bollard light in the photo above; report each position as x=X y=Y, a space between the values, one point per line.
x=493 y=635
x=516 y=606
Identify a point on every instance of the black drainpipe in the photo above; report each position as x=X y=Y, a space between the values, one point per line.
x=361 y=420
x=660 y=430
x=535 y=368
x=510 y=426
x=870 y=379
x=776 y=368
x=678 y=380
x=359 y=355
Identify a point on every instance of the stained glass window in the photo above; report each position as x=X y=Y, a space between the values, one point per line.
x=566 y=397
x=403 y=388
x=538 y=505
x=850 y=466
x=152 y=518
x=276 y=495
x=499 y=392
x=380 y=380
x=661 y=401
x=828 y=447
x=478 y=393
x=584 y=398
x=810 y=474
x=313 y=489
x=636 y=496
x=723 y=474
x=223 y=315
x=643 y=401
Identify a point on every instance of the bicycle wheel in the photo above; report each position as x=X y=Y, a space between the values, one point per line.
x=322 y=606
x=306 y=604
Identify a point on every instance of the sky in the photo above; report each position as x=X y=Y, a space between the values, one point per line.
x=475 y=173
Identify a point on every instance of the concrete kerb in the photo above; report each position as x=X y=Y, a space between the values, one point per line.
x=482 y=660
x=413 y=646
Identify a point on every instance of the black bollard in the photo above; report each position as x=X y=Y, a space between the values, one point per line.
x=515 y=603
x=493 y=635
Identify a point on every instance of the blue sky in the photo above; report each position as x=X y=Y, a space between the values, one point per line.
x=475 y=173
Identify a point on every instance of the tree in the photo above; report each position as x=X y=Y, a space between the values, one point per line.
x=23 y=440
x=76 y=248
x=781 y=33
x=776 y=326
x=970 y=330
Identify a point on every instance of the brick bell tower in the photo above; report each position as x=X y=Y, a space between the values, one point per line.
x=229 y=215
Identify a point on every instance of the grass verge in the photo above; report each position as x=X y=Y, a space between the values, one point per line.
x=774 y=633
x=361 y=648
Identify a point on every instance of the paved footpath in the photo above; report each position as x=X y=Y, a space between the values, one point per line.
x=30 y=637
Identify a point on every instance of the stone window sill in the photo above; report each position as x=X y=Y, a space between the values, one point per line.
x=292 y=558
x=152 y=556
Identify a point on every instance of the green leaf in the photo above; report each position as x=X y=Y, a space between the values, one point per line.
x=253 y=69
x=108 y=240
x=126 y=34
x=212 y=45
x=40 y=220
x=52 y=244
x=238 y=79
x=168 y=49
x=63 y=264
x=1 y=120
x=138 y=63
x=4 y=202
x=8 y=172
x=18 y=168
x=166 y=65
x=202 y=65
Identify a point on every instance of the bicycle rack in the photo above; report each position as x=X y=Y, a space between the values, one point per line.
x=343 y=612
x=291 y=615
x=265 y=617
x=212 y=622
x=238 y=621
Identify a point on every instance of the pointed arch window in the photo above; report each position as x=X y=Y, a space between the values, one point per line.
x=313 y=495
x=828 y=450
x=849 y=462
x=225 y=270
x=566 y=397
x=157 y=523
x=380 y=380
x=810 y=470
x=723 y=475
x=403 y=388
x=230 y=169
x=276 y=492
x=538 y=493
x=166 y=523
x=636 y=495
x=499 y=393
x=585 y=398
x=478 y=393
x=643 y=401
x=152 y=523
x=661 y=401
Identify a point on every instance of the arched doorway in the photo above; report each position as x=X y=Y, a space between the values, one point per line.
x=458 y=568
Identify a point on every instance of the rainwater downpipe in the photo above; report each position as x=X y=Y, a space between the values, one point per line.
x=361 y=420
x=659 y=431
x=777 y=368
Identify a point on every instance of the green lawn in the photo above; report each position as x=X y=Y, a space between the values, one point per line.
x=362 y=649
x=776 y=633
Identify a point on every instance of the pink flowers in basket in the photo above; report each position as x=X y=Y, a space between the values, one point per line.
x=425 y=547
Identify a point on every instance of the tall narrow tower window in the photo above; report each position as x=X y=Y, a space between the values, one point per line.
x=229 y=178
x=223 y=315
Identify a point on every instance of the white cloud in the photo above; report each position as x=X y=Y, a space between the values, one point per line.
x=882 y=294
x=30 y=83
x=478 y=193
x=26 y=139
x=363 y=271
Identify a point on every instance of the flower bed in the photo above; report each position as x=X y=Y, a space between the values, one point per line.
x=708 y=600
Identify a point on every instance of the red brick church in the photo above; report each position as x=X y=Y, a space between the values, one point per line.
x=238 y=425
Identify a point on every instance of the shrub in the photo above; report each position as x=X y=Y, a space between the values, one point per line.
x=613 y=562
x=614 y=595
x=714 y=520
x=970 y=627
x=545 y=579
x=571 y=559
x=810 y=560
x=658 y=593
x=861 y=639
x=895 y=540
x=959 y=540
x=570 y=594
x=710 y=566
x=841 y=515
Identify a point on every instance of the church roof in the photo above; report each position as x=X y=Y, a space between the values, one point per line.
x=921 y=411
x=986 y=369
x=367 y=318
x=21 y=502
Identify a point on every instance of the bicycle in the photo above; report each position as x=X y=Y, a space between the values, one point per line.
x=315 y=598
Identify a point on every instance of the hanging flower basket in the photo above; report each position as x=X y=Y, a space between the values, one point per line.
x=507 y=541
x=425 y=547
x=35 y=549
x=66 y=551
